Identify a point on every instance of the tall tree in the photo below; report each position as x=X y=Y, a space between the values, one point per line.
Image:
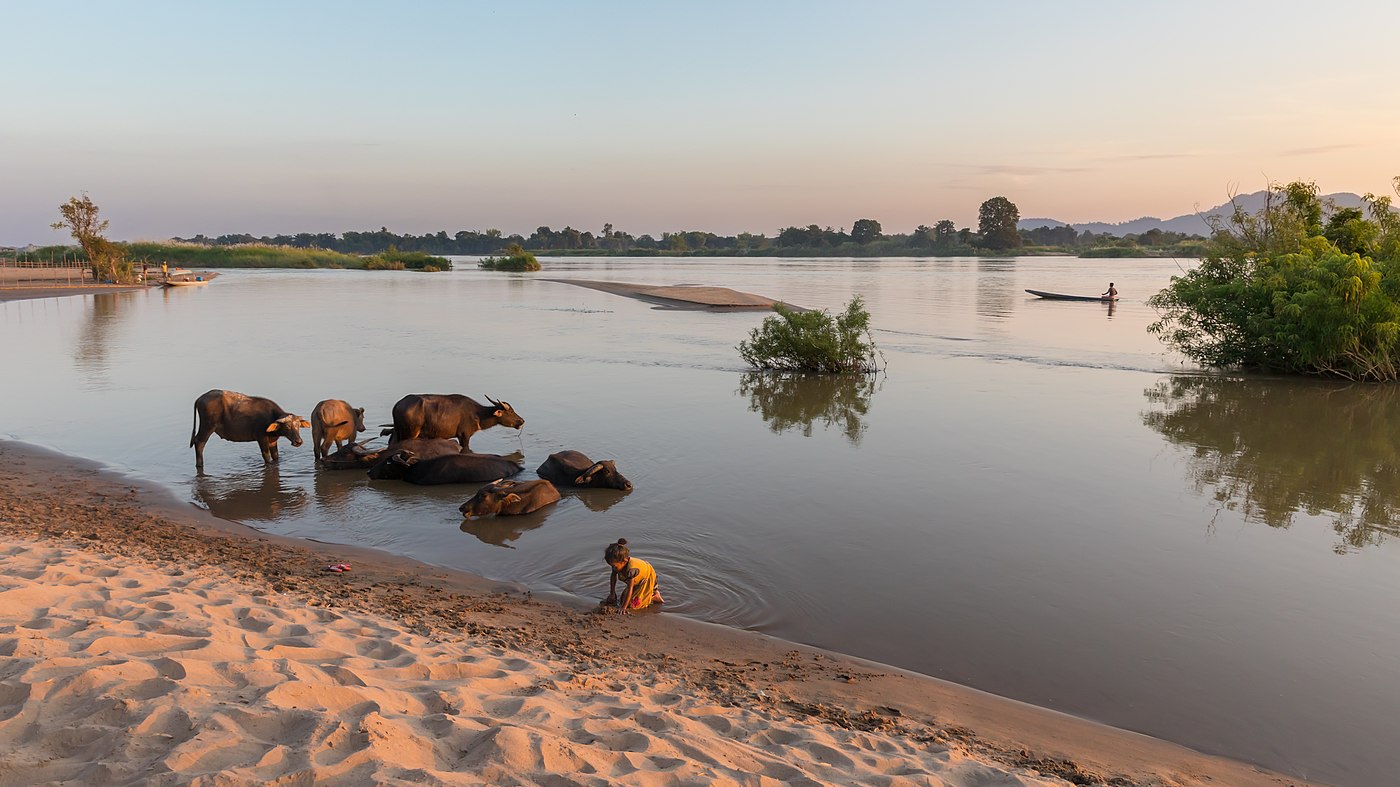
x=945 y=233
x=996 y=223
x=80 y=219
x=865 y=230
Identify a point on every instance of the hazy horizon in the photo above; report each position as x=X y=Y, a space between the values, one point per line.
x=181 y=120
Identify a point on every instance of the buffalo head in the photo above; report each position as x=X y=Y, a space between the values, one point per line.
x=505 y=415
x=508 y=498
x=391 y=465
x=288 y=426
x=603 y=474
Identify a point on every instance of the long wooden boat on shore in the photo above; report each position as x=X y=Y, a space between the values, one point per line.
x=185 y=282
x=1055 y=296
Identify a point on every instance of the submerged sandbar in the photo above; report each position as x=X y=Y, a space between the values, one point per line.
x=683 y=296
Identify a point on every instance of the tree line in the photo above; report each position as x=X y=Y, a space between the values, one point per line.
x=996 y=232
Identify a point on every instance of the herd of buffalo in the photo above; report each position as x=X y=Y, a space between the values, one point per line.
x=429 y=443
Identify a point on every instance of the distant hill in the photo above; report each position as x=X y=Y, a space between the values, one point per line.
x=1190 y=223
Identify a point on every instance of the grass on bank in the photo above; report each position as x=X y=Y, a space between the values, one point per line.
x=250 y=255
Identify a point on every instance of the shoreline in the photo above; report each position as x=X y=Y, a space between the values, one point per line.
x=68 y=510
x=60 y=291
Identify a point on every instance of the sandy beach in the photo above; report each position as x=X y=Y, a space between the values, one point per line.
x=148 y=642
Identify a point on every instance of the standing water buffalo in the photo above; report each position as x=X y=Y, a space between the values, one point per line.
x=241 y=418
x=334 y=421
x=458 y=468
x=449 y=415
x=571 y=468
x=508 y=498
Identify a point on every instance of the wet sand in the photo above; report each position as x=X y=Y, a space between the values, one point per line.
x=27 y=293
x=149 y=642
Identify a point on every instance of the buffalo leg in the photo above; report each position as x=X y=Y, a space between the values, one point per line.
x=200 y=439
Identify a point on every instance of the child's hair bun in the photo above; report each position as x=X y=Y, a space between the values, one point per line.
x=622 y=542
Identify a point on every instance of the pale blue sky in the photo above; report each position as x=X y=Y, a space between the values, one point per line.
x=181 y=118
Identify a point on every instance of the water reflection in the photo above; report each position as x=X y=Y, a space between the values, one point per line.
x=498 y=530
x=789 y=400
x=334 y=489
x=249 y=495
x=1270 y=449
x=95 y=338
x=996 y=288
x=596 y=500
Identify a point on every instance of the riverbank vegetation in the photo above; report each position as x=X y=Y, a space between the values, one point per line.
x=515 y=259
x=814 y=341
x=108 y=260
x=995 y=235
x=1299 y=287
x=252 y=255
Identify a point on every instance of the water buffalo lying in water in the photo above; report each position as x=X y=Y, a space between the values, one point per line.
x=334 y=421
x=241 y=418
x=450 y=469
x=508 y=498
x=449 y=416
x=420 y=447
x=571 y=468
x=354 y=457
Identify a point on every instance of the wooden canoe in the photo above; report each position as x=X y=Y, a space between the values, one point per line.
x=1055 y=296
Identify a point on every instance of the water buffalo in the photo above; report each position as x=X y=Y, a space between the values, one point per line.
x=449 y=415
x=571 y=468
x=334 y=421
x=465 y=468
x=241 y=418
x=355 y=457
x=508 y=498
x=420 y=447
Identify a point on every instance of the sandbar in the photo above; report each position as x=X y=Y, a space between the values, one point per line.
x=683 y=296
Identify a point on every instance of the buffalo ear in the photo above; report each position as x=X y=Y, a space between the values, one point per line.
x=303 y=424
x=272 y=427
x=499 y=413
x=512 y=498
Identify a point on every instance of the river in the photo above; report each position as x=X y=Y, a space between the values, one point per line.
x=1036 y=499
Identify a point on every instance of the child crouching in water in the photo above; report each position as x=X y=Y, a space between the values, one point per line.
x=639 y=576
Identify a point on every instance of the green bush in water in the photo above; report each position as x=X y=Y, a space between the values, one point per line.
x=814 y=341
x=1273 y=292
x=515 y=259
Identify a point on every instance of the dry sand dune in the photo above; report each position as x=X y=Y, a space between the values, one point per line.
x=146 y=642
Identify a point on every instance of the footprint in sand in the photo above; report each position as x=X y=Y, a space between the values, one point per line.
x=381 y=651
x=169 y=668
x=341 y=675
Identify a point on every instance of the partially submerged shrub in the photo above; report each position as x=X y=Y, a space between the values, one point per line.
x=814 y=341
x=1276 y=292
x=515 y=259
x=396 y=260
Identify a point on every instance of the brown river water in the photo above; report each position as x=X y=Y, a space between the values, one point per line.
x=1037 y=499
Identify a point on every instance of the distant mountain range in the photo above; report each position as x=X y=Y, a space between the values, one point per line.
x=1189 y=224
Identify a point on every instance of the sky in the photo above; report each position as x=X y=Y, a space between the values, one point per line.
x=182 y=118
